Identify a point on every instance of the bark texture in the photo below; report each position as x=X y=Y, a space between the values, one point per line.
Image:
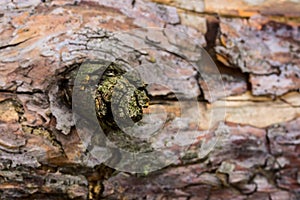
x=255 y=46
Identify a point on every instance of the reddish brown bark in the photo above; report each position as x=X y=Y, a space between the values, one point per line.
x=42 y=45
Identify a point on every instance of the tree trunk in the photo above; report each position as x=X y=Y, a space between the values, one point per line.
x=241 y=126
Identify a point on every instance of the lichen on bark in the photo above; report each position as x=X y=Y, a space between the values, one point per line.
x=119 y=101
x=120 y=97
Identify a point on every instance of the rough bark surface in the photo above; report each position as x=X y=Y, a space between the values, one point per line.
x=256 y=49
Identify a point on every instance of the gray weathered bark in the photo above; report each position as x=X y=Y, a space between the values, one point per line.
x=42 y=44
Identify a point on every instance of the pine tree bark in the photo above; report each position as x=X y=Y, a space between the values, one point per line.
x=43 y=44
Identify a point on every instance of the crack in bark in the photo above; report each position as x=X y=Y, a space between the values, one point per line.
x=15 y=44
x=35 y=91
